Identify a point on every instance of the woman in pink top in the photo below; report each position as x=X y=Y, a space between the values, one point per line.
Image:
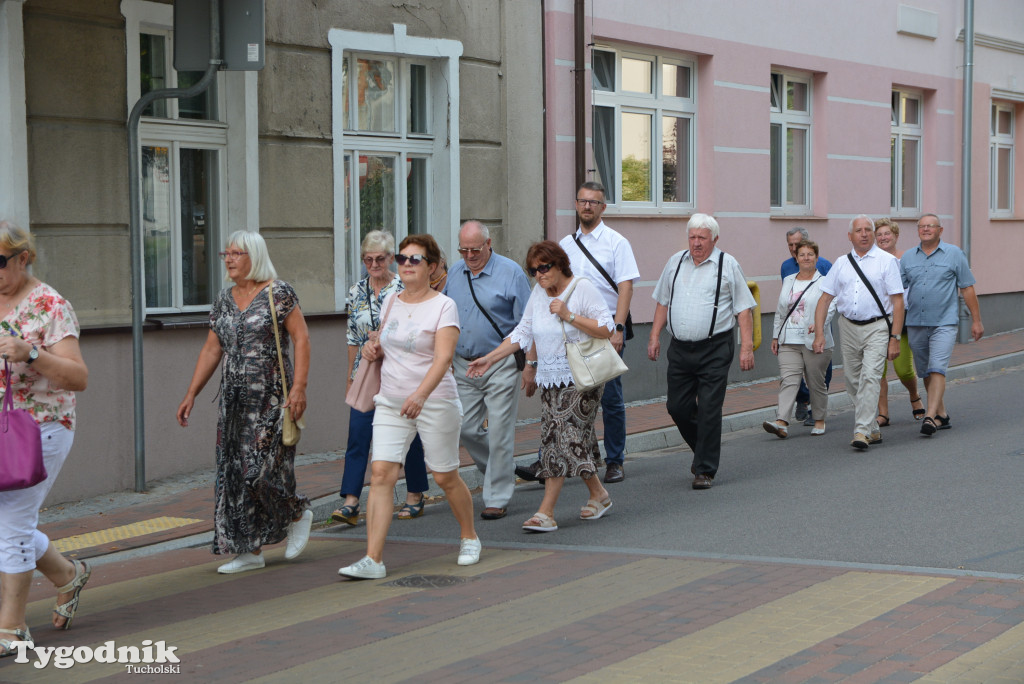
x=418 y=333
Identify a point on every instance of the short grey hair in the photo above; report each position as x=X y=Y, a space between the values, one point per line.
x=479 y=226
x=858 y=218
x=377 y=241
x=252 y=242
x=804 y=235
x=703 y=222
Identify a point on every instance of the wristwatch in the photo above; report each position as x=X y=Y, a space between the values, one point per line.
x=572 y=317
x=531 y=364
x=33 y=354
x=619 y=327
x=895 y=337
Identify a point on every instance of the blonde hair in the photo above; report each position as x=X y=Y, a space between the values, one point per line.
x=888 y=223
x=17 y=240
x=253 y=243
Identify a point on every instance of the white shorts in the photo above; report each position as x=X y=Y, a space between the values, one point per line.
x=438 y=424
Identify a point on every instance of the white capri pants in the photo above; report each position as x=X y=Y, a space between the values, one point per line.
x=438 y=424
x=21 y=544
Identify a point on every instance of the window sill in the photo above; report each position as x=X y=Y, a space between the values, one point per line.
x=652 y=212
x=1005 y=219
x=796 y=217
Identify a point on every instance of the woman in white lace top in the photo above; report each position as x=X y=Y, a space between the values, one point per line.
x=568 y=441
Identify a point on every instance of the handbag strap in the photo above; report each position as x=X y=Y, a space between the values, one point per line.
x=469 y=279
x=565 y=300
x=277 y=339
x=799 y=297
x=8 y=403
x=871 y=290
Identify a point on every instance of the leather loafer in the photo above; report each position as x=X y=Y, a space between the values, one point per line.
x=614 y=473
x=701 y=481
x=529 y=473
x=493 y=513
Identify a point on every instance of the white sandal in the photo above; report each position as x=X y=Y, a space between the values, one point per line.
x=7 y=645
x=545 y=523
x=596 y=508
x=67 y=610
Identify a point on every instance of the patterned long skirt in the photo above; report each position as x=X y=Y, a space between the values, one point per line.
x=568 y=442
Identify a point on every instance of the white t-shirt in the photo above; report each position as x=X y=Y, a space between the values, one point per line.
x=407 y=339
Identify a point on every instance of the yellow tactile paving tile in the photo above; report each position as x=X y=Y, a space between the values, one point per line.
x=112 y=534
x=998 y=661
x=741 y=645
x=251 y=619
x=547 y=610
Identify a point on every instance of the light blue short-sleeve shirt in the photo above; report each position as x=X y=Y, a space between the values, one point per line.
x=933 y=282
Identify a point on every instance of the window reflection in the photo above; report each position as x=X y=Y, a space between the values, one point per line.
x=198 y=232
x=375 y=95
x=675 y=80
x=636 y=157
x=156 y=226
x=675 y=155
x=636 y=75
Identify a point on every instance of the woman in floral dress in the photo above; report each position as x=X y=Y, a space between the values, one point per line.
x=256 y=503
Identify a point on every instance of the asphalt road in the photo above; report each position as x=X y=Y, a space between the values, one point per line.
x=951 y=501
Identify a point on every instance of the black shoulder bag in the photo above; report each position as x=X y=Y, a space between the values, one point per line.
x=628 y=326
x=521 y=354
x=878 y=301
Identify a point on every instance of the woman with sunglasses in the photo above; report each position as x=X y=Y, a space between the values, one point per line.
x=417 y=395
x=568 y=442
x=256 y=503
x=364 y=316
x=42 y=362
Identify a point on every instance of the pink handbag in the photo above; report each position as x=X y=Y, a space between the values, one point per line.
x=366 y=384
x=21 y=446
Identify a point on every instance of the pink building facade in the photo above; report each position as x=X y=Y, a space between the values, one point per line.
x=771 y=115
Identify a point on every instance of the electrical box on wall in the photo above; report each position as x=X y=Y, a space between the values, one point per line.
x=242 y=33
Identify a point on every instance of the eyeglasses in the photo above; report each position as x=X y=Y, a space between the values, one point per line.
x=929 y=225
x=4 y=259
x=589 y=203
x=232 y=255
x=541 y=268
x=466 y=251
x=379 y=260
x=414 y=259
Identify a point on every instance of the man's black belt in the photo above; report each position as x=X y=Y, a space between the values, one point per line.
x=471 y=358
x=707 y=341
x=870 y=320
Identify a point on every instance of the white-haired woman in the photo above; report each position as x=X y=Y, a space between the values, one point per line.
x=256 y=503
x=365 y=300
x=39 y=341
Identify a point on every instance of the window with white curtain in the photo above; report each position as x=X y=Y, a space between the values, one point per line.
x=905 y=152
x=1001 y=159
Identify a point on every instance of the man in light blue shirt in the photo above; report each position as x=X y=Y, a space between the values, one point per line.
x=933 y=273
x=485 y=281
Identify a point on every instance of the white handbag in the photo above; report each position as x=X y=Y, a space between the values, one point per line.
x=592 y=361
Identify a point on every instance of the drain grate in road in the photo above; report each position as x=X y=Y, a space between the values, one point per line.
x=428 y=581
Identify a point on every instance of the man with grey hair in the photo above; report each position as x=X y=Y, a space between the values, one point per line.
x=490 y=292
x=703 y=339
x=794 y=236
x=869 y=298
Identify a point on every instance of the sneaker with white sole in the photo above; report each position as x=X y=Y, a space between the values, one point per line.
x=298 y=535
x=367 y=568
x=243 y=562
x=469 y=551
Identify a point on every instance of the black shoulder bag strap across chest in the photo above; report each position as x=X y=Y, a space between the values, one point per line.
x=628 y=325
x=718 y=294
x=797 y=302
x=874 y=294
x=521 y=354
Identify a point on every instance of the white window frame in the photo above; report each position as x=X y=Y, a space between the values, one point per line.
x=791 y=119
x=900 y=132
x=657 y=106
x=237 y=143
x=14 y=196
x=1001 y=141
x=441 y=145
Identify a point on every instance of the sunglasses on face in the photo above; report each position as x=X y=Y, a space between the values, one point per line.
x=541 y=268
x=5 y=259
x=414 y=259
x=379 y=260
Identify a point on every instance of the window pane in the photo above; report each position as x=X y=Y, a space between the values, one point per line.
x=893 y=174
x=776 y=88
x=376 y=95
x=775 y=145
x=675 y=159
x=1004 y=165
x=603 y=64
x=636 y=75
x=911 y=111
x=895 y=110
x=376 y=194
x=416 y=191
x=796 y=166
x=910 y=173
x=1004 y=122
x=675 y=80
x=418 y=99
x=636 y=157
x=604 y=150
x=153 y=70
x=198 y=229
x=347 y=163
x=796 y=96
x=346 y=122
x=203 y=105
x=156 y=226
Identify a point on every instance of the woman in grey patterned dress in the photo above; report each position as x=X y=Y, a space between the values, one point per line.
x=256 y=503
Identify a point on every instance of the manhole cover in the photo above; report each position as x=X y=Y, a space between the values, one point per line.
x=428 y=581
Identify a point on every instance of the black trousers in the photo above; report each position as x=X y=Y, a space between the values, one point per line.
x=698 y=373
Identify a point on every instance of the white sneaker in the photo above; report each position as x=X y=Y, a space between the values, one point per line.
x=367 y=568
x=243 y=562
x=298 y=535
x=469 y=551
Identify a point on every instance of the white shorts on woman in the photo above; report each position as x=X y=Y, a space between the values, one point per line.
x=438 y=424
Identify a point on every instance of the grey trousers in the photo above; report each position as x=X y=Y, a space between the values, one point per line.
x=494 y=397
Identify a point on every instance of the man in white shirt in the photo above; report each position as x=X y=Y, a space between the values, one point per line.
x=867 y=322
x=702 y=296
